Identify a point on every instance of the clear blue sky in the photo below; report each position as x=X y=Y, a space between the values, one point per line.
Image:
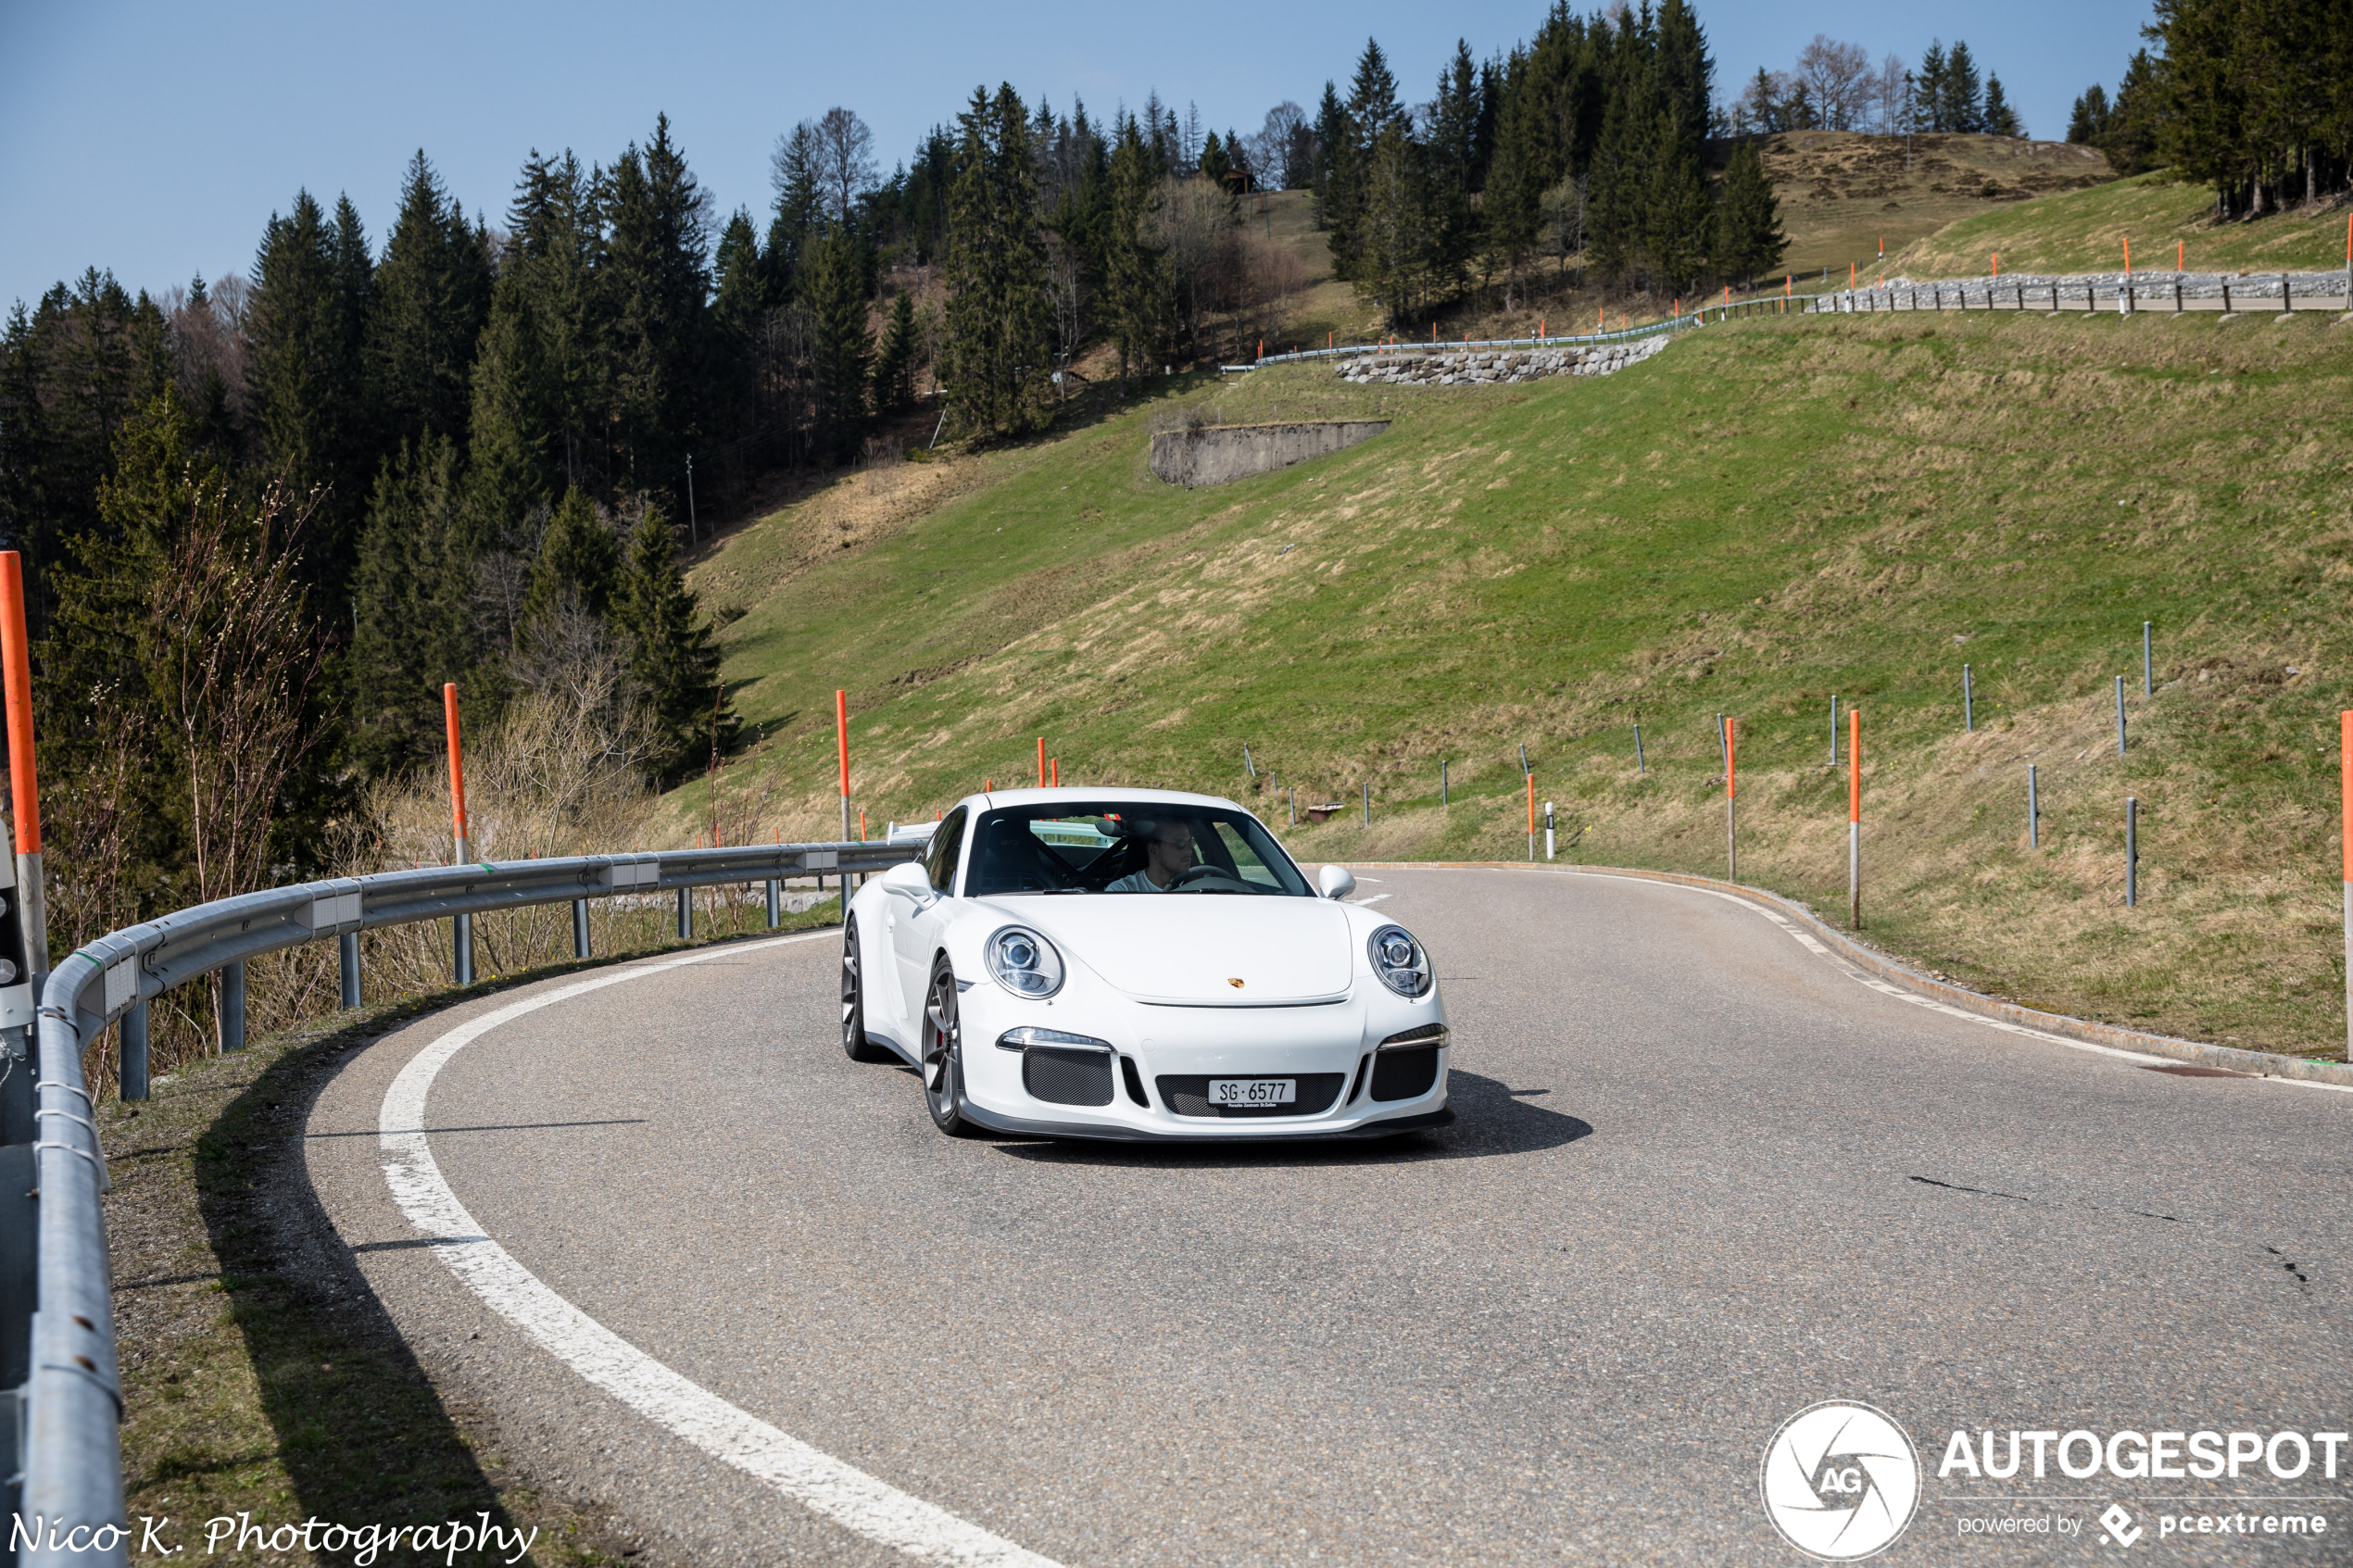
x=157 y=140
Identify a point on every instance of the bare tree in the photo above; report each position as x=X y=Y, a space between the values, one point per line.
x=1194 y=228
x=1838 y=78
x=845 y=168
x=208 y=329
x=1280 y=153
x=1891 y=107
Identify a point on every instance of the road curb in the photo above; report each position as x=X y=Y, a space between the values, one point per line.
x=2262 y=1064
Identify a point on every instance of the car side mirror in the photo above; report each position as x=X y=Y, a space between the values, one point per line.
x=1336 y=882
x=910 y=878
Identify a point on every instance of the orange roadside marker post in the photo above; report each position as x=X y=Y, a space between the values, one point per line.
x=1731 y=826
x=1055 y=764
x=461 y=927
x=1854 y=819
x=32 y=883
x=1041 y=762
x=1531 y=813
x=1997 y=264
x=841 y=745
x=2128 y=256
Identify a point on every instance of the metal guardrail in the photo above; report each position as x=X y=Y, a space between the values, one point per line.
x=69 y=1437
x=1361 y=350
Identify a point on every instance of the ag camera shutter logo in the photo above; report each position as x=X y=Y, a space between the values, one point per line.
x=1841 y=1481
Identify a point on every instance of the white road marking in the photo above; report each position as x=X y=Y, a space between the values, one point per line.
x=1807 y=939
x=842 y=1493
x=1374 y=900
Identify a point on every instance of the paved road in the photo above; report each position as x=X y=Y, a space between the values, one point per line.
x=1703 y=1178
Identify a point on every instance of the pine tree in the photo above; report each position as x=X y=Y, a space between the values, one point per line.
x=798 y=202
x=579 y=560
x=836 y=291
x=1454 y=168
x=307 y=379
x=1135 y=305
x=413 y=610
x=1215 y=166
x=995 y=374
x=1963 y=108
x=657 y=269
x=895 y=362
x=672 y=656
x=433 y=294
x=1393 y=267
x=1749 y=241
x=1927 y=99
x=1339 y=194
x=2000 y=119
x=2087 y=121
x=1372 y=96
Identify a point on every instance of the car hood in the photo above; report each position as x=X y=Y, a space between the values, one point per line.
x=1201 y=949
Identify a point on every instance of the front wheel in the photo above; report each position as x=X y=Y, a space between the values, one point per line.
x=943 y=1053
x=854 y=1043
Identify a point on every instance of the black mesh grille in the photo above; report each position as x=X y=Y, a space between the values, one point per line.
x=1066 y=1078
x=1135 y=1082
x=1188 y=1095
x=1405 y=1075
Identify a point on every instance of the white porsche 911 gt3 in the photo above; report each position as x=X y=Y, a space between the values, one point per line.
x=1139 y=964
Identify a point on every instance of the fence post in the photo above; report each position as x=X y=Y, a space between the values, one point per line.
x=2120 y=716
x=1968 y=708
x=233 y=1007
x=841 y=743
x=1641 y=768
x=348 y=967
x=461 y=927
x=2033 y=812
x=2148 y=678
x=1854 y=819
x=1834 y=729
x=2131 y=851
x=580 y=928
x=1441 y=781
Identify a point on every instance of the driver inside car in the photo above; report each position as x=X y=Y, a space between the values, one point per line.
x=1168 y=854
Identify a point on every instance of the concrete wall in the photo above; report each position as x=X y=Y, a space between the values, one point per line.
x=1213 y=454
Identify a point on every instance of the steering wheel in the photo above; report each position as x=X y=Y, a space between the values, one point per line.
x=1194 y=876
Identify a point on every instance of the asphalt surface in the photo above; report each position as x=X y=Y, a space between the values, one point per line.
x=1703 y=1178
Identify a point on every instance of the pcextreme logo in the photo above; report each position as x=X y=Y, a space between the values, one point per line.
x=1841 y=1481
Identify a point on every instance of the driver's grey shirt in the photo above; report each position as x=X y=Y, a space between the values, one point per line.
x=1137 y=881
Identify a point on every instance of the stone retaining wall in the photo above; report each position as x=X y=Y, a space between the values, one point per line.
x=1215 y=454
x=1494 y=367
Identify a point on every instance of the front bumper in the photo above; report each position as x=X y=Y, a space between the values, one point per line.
x=1162 y=1058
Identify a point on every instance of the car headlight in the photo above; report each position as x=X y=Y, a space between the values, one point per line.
x=1399 y=960
x=1024 y=1037
x=1025 y=962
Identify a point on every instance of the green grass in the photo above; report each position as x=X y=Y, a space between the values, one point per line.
x=2086 y=230
x=1766 y=514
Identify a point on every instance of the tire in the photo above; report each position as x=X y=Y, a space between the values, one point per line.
x=943 y=1053
x=854 y=1043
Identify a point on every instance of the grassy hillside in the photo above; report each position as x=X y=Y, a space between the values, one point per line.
x=1842 y=192
x=1766 y=514
x=2085 y=231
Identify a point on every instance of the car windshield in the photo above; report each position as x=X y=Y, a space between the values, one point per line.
x=1126 y=847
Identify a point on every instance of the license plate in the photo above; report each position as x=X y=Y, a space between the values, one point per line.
x=1253 y=1091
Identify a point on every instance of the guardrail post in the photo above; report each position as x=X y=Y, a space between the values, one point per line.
x=580 y=928
x=686 y=914
x=2132 y=852
x=233 y=1007
x=775 y=903
x=347 y=965
x=134 y=1052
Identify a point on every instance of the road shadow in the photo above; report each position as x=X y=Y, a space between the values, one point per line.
x=1492 y=1121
